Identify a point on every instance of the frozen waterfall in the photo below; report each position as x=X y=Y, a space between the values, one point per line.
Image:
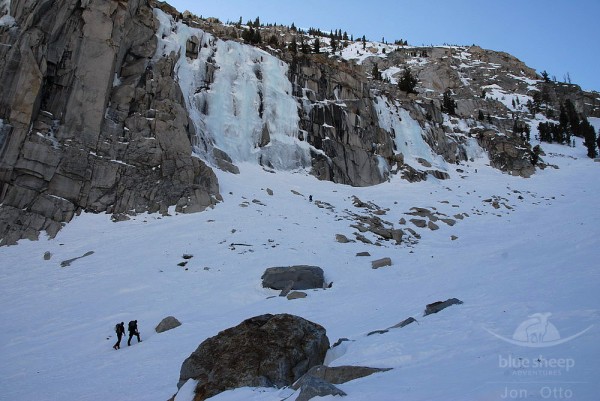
x=407 y=134
x=238 y=97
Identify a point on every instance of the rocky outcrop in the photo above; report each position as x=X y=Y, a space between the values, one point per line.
x=339 y=120
x=264 y=351
x=373 y=223
x=507 y=153
x=340 y=374
x=89 y=121
x=319 y=380
x=93 y=118
x=435 y=307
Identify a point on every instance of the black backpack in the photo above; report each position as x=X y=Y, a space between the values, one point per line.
x=133 y=326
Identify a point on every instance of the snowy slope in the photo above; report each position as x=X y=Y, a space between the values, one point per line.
x=536 y=253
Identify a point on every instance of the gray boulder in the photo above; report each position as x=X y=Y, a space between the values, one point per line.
x=421 y=223
x=296 y=295
x=376 y=264
x=404 y=323
x=167 y=323
x=319 y=380
x=301 y=277
x=450 y=222
x=432 y=226
x=339 y=374
x=266 y=350
x=341 y=238
x=440 y=175
x=311 y=387
x=435 y=307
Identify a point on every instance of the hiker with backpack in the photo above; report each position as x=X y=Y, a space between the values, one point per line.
x=120 y=330
x=133 y=331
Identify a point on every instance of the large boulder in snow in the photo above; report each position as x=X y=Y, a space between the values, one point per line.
x=267 y=350
x=167 y=324
x=300 y=277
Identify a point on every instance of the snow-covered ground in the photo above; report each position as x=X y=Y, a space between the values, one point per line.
x=536 y=253
x=359 y=52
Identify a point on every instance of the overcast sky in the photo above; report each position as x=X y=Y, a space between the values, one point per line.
x=559 y=36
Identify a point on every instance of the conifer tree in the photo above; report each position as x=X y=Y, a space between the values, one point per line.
x=535 y=154
x=293 y=46
x=407 y=82
x=535 y=105
x=248 y=34
x=573 y=118
x=273 y=42
x=317 y=46
x=376 y=73
x=256 y=38
x=545 y=76
x=563 y=118
x=589 y=138
x=543 y=133
x=304 y=48
x=448 y=104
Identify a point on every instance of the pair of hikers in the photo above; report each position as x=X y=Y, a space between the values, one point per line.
x=120 y=330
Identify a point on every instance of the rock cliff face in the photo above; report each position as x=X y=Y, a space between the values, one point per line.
x=127 y=106
x=340 y=122
x=89 y=120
